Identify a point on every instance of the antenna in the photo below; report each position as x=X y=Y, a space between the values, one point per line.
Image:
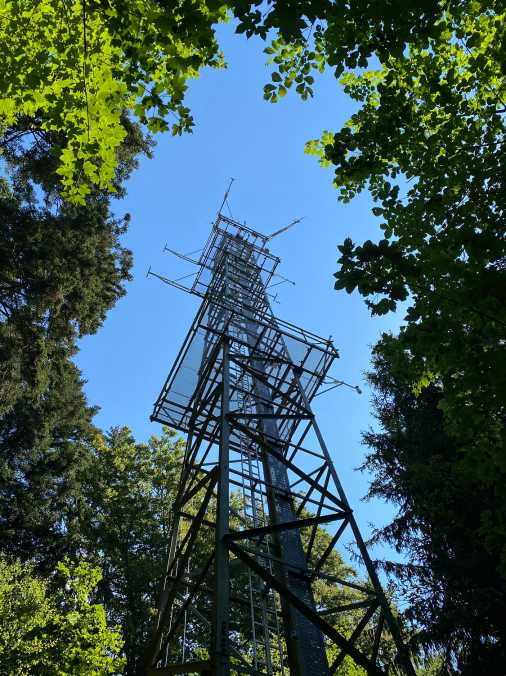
x=334 y=382
x=278 y=232
x=182 y=256
x=225 y=197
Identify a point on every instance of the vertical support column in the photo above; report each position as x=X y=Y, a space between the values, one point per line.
x=304 y=640
x=221 y=605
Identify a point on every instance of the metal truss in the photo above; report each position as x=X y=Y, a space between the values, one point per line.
x=240 y=590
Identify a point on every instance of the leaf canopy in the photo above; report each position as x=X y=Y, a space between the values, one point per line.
x=74 y=67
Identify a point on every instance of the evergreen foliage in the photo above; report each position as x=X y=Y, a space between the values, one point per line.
x=454 y=592
x=42 y=447
x=62 y=268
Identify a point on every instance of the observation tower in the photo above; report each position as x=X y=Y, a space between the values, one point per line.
x=242 y=592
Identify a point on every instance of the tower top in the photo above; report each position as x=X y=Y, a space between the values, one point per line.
x=226 y=232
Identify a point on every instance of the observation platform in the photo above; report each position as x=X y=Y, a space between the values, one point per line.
x=293 y=361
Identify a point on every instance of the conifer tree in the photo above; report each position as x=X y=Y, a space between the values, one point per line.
x=453 y=590
x=62 y=268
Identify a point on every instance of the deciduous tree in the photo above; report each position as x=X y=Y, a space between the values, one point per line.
x=52 y=628
x=129 y=493
x=72 y=68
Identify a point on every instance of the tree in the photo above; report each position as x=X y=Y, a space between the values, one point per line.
x=427 y=118
x=52 y=628
x=427 y=140
x=42 y=448
x=73 y=68
x=454 y=593
x=128 y=496
x=62 y=268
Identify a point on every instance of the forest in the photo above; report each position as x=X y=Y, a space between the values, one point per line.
x=86 y=88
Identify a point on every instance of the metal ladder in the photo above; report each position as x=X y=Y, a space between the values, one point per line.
x=265 y=629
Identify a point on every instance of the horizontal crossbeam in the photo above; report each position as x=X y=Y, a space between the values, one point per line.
x=272 y=416
x=288 y=525
x=201 y=667
x=296 y=470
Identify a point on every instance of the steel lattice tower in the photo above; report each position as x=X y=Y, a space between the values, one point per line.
x=239 y=594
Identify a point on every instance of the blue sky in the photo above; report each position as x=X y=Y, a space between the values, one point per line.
x=174 y=197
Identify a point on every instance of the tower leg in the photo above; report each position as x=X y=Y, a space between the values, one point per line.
x=304 y=641
x=221 y=601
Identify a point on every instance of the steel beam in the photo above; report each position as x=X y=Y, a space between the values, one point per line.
x=221 y=603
